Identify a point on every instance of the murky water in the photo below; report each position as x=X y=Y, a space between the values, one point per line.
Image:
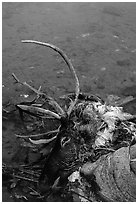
x=99 y=38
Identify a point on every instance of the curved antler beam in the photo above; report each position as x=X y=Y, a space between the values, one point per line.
x=68 y=62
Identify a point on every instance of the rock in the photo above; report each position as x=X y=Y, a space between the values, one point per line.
x=133 y=152
x=124 y=178
x=123 y=62
x=113 y=175
x=133 y=166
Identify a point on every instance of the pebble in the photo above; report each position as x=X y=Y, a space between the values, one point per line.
x=117 y=50
x=24 y=95
x=123 y=62
x=103 y=68
x=60 y=72
x=115 y=36
x=133 y=50
x=85 y=35
x=31 y=67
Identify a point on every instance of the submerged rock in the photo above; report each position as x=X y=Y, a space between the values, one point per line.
x=113 y=175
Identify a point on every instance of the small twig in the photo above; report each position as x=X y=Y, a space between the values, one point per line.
x=20 y=196
x=38 y=92
x=36 y=193
x=33 y=190
x=24 y=178
x=32 y=173
x=6 y=111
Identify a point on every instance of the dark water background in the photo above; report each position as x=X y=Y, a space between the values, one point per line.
x=99 y=38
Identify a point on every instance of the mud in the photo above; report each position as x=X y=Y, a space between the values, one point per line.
x=99 y=38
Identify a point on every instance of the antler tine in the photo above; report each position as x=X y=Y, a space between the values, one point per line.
x=68 y=62
x=38 y=111
x=39 y=93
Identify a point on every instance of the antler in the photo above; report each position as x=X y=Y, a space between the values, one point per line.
x=68 y=62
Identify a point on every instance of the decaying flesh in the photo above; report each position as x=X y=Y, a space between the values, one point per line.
x=89 y=128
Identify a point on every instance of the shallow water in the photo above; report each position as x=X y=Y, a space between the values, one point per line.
x=99 y=38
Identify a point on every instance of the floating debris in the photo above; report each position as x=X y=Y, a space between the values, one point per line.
x=115 y=36
x=103 y=69
x=83 y=76
x=31 y=67
x=24 y=95
x=117 y=50
x=61 y=72
x=85 y=35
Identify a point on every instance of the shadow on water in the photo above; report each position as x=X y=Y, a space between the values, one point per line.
x=99 y=38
